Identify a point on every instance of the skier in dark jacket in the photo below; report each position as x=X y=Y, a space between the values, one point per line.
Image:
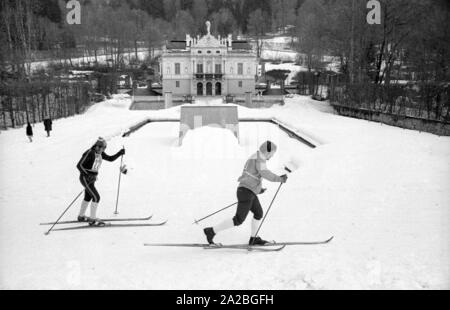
x=89 y=166
x=250 y=185
x=30 y=132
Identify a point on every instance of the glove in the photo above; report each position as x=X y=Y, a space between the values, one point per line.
x=122 y=152
x=284 y=178
x=263 y=190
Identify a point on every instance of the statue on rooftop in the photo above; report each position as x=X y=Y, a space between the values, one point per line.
x=208 y=28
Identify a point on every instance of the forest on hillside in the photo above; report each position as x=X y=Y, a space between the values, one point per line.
x=413 y=34
x=32 y=28
x=410 y=45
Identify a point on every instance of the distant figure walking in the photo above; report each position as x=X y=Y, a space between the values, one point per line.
x=30 y=132
x=48 y=126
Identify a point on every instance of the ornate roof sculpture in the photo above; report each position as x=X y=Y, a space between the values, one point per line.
x=208 y=40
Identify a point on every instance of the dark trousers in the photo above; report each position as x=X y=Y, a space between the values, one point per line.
x=90 y=192
x=247 y=201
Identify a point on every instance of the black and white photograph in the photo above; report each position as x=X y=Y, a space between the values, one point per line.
x=224 y=145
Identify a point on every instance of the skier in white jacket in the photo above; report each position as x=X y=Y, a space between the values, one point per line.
x=250 y=185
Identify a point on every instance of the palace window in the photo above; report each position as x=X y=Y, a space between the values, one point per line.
x=241 y=69
x=199 y=68
x=177 y=69
x=177 y=84
x=218 y=69
x=240 y=84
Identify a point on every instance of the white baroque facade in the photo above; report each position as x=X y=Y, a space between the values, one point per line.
x=209 y=66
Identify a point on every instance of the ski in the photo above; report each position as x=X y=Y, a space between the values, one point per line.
x=184 y=245
x=103 y=220
x=275 y=249
x=220 y=246
x=273 y=244
x=110 y=225
x=250 y=248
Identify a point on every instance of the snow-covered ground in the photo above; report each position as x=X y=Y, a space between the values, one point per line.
x=279 y=55
x=380 y=190
x=279 y=43
x=102 y=59
x=287 y=66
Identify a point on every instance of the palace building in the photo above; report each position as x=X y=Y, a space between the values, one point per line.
x=208 y=66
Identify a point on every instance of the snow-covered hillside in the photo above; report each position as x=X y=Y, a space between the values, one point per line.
x=380 y=190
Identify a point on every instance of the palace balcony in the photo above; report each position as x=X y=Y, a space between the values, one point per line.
x=208 y=76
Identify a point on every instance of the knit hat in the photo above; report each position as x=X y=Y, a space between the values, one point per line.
x=268 y=147
x=101 y=142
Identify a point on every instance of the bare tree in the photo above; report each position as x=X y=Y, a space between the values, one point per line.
x=258 y=28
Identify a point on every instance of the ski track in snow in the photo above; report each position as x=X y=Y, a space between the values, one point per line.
x=380 y=190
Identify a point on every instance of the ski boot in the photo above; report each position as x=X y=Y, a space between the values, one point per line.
x=83 y=219
x=209 y=232
x=257 y=241
x=96 y=223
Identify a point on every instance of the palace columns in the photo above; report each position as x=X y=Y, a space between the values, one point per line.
x=213 y=69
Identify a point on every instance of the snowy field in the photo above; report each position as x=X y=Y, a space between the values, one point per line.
x=383 y=192
x=283 y=55
x=101 y=59
x=287 y=66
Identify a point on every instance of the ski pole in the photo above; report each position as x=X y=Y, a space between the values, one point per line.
x=48 y=232
x=118 y=186
x=198 y=221
x=268 y=210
